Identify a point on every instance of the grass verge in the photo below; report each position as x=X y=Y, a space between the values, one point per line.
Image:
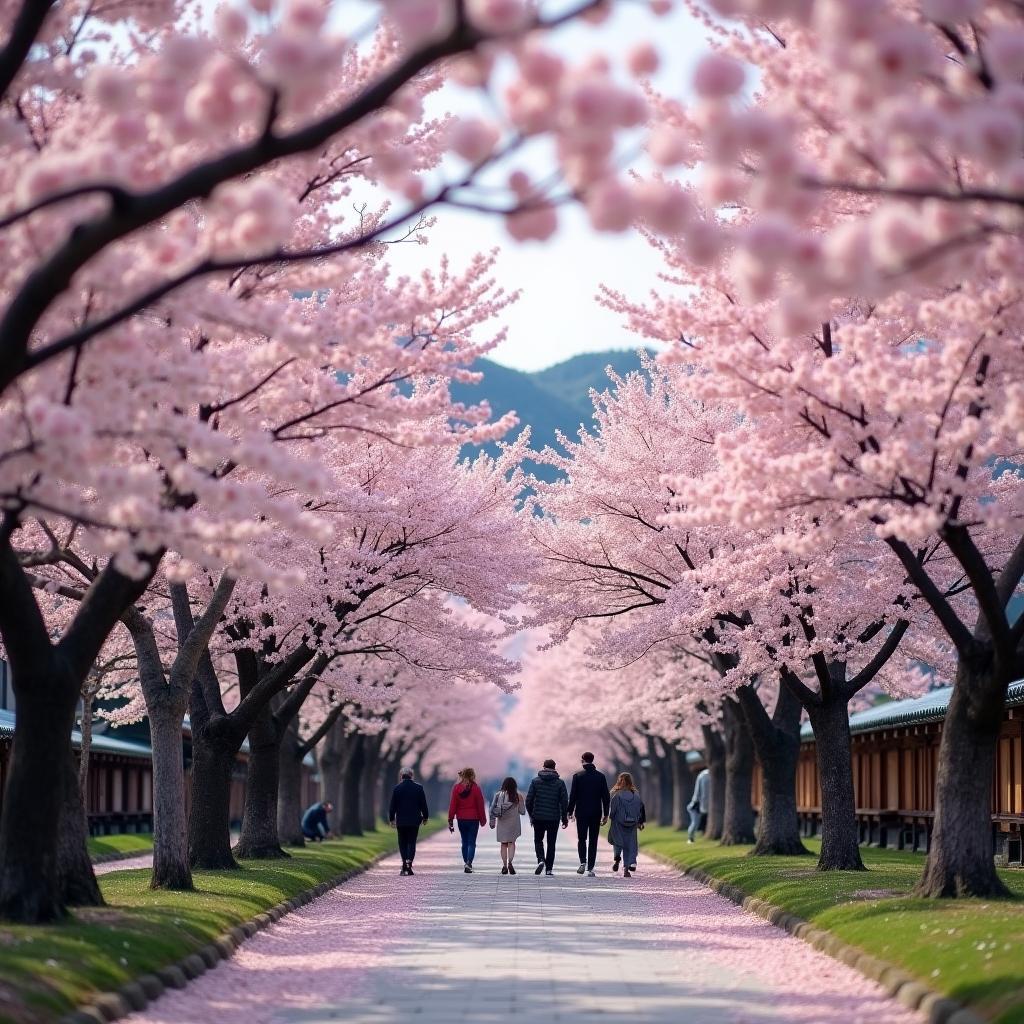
x=45 y=971
x=970 y=950
x=128 y=844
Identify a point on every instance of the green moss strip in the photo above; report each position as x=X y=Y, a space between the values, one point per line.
x=45 y=971
x=970 y=950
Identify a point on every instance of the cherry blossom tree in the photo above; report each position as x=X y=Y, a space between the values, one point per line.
x=414 y=529
x=139 y=269
x=639 y=718
x=855 y=227
x=612 y=559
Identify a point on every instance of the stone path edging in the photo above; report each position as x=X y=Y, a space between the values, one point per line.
x=909 y=991
x=138 y=994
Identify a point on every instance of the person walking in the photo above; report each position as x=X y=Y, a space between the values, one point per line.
x=628 y=816
x=407 y=811
x=698 y=805
x=507 y=808
x=467 y=807
x=547 y=803
x=588 y=804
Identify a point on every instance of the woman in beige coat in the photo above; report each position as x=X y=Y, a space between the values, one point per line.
x=507 y=809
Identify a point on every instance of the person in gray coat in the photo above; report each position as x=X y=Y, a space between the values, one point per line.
x=507 y=807
x=547 y=802
x=698 y=805
x=627 y=816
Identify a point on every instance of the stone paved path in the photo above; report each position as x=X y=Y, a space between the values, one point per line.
x=143 y=860
x=446 y=947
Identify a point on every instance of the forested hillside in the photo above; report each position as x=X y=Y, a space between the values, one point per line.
x=549 y=400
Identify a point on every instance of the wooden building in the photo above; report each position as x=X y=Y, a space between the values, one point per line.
x=119 y=794
x=895 y=754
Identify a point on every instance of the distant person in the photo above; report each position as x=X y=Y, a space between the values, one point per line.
x=507 y=809
x=408 y=810
x=588 y=804
x=467 y=808
x=315 y=825
x=698 y=805
x=547 y=803
x=628 y=816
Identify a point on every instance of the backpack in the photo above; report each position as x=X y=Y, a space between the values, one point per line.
x=630 y=815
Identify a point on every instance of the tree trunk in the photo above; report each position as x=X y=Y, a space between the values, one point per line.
x=436 y=804
x=330 y=762
x=170 y=827
x=32 y=885
x=682 y=788
x=960 y=855
x=289 y=792
x=714 y=759
x=77 y=880
x=665 y=786
x=777 y=744
x=259 y=839
x=388 y=777
x=350 y=818
x=209 y=827
x=738 y=821
x=840 y=848
x=88 y=696
x=368 y=783
x=778 y=828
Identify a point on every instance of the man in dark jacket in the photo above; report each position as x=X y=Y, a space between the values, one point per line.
x=547 y=803
x=407 y=812
x=588 y=803
x=315 y=825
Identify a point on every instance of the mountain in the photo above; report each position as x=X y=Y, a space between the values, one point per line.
x=549 y=400
x=573 y=380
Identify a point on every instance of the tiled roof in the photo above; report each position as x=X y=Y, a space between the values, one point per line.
x=104 y=741
x=101 y=741
x=916 y=710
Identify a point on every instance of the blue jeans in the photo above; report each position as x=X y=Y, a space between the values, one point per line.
x=468 y=830
x=698 y=820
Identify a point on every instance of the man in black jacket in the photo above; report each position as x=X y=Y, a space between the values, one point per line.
x=547 y=803
x=588 y=803
x=407 y=812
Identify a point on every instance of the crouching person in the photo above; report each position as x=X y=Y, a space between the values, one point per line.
x=315 y=825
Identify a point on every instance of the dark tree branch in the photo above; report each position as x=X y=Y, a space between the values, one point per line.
x=957 y=632
x=24 y=32
x=321 y=730
x=290 y=706
x=21 y=622
x=106 y=600
x=1011 y=574
x=878 y=662
x=992 y=622
x=53 y=276
x=807 y=697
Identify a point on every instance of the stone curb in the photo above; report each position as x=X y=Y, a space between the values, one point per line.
x=137 y=994
x=912 y=993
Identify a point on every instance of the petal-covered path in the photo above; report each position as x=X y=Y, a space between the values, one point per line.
x=445 y=946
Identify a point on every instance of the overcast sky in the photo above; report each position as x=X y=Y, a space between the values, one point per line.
x=557 y=315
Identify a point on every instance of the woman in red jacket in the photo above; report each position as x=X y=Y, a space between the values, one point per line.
x=467 y=807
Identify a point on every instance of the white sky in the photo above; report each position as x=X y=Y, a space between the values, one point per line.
x=557 y=316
